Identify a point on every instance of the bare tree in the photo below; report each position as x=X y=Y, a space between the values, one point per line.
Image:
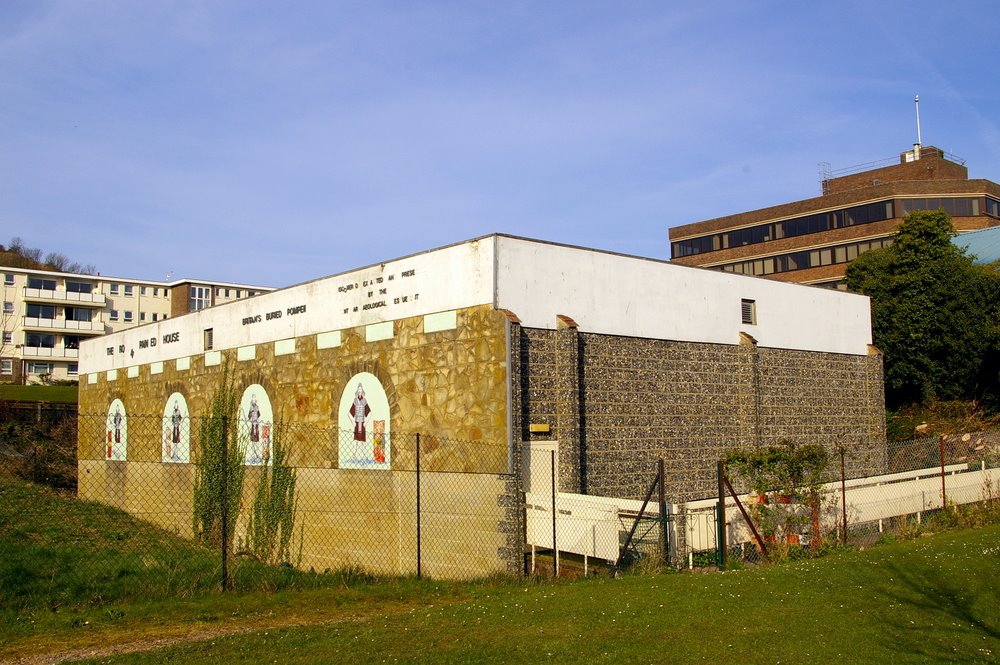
x=57 y=261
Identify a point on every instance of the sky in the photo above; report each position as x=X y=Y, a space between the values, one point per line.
x=273 y=143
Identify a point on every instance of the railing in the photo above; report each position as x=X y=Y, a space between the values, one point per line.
x=45 y=352
x=64 y=324
x=95 y=299
x=888 y=161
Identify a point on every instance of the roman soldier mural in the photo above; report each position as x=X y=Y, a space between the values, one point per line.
x=176 y=443
x=256 y=426
x=116 y=430
x=364 y=424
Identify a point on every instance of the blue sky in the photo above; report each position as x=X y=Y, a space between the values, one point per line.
x=273 y=143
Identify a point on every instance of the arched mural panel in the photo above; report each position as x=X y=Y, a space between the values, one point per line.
x=176 y=443
x=116 y=428
x=256 y=426
x=363 y=417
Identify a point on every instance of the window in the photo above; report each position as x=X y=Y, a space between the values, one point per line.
x=251 y=294
x=41 y=311
x=43 y=284
x=142 y=290
x=114 y=289
x=40 y=341
x=71 y=341
x=8 y=337
x=218 y=292
x=8 y=279
x=113 y=315
x=749 y=311
x=227 y=293
x=6 y=366
x=79 y=314
x=128 y=315
x=155 y=316
x=79 y=287
x=209 y=339
x=8 y=307
x=39 y=368
x=992 y=207
x=128 y=289
x=238 y=294
x=199 y=297
x=73 y=369
x=156 y=290
x=142 y=316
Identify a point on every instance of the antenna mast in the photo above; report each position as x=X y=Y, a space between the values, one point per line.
x=916 y=103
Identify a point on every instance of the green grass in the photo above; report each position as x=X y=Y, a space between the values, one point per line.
x=930 y=599
x=81 y=574
x=36 y=393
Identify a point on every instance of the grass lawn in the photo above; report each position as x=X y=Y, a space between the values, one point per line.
x=933 y=599
x=35 y=393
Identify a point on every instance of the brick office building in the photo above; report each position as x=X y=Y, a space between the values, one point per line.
x=812 y=241
x=613 y=361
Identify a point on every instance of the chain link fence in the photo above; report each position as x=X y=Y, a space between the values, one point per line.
x=187 y=504
x=193 y=503
x=927 y=482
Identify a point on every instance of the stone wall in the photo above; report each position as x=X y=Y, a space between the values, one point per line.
x=449 y=385
x=634 y=401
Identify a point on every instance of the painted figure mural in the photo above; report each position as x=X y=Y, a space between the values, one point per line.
x=116 y=441
x=359 y=411
x=256 y=426
x=176 y=444
x=364 y=441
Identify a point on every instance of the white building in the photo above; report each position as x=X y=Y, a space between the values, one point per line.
x=47 y=314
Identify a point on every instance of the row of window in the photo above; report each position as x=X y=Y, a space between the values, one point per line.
x=825 y=221
x=129 y=290
x=35 y=367
x=45 y=341
x=129 y=316
x=37 y=311
x=805 y=259
x=47 y=284
x=238 y=293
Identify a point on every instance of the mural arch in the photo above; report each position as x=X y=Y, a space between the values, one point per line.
x=364 y=424
x=176 y=442
x=256 y=426
x=116 y=428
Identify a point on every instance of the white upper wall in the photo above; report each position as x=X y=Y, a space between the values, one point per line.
x=603 y=292
x=624 y=295
x=440 y=280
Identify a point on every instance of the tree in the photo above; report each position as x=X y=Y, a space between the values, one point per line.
x=933 y=313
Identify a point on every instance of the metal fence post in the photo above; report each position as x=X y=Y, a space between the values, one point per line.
x=843 y=492
x=555 y=550
x=720 y=524
x=944 y=497
x=225 y=503
x=419 y=562
x=664 y=535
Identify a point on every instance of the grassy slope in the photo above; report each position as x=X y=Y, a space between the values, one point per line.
x=35 y=393
x=929 y=600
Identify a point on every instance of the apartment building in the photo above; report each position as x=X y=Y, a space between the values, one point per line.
x=47 y=314
x=812 y=241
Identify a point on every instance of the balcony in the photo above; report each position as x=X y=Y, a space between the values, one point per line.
x=43 y=352
x=65 y=297
x=78 y=327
